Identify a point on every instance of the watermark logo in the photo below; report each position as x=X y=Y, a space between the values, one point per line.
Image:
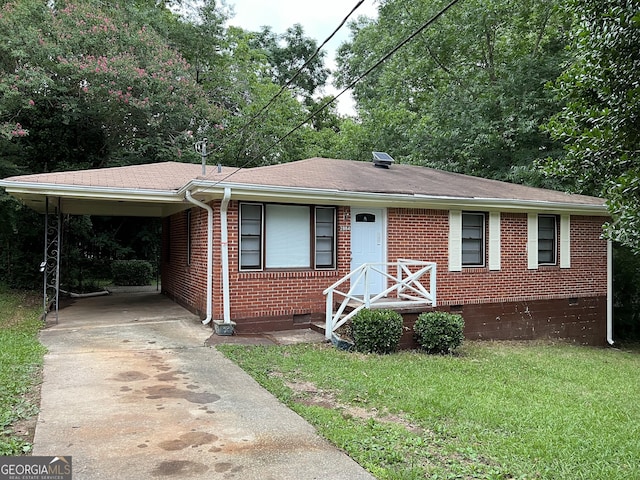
x=35 y=468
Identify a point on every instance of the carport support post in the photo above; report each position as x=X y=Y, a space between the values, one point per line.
x=51 y=263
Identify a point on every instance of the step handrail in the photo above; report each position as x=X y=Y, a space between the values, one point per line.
x=406 y=284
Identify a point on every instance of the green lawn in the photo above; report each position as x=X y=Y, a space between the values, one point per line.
x=496 y=411
x=20 y=369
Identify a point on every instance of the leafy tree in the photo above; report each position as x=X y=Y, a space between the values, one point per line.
x=467 y=94
x=600 y=124
x=286 y=53
x=85 y=85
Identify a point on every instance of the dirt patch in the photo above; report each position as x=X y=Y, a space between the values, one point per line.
x=307 y=393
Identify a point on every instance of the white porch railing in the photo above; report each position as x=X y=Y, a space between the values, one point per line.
x=409 y=290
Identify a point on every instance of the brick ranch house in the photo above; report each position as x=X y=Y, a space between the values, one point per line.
x=257 y=249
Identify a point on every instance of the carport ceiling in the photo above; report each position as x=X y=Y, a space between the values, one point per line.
x=112 y=206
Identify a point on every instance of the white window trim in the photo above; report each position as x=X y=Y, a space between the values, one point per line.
x=532 y=241
x=565 y=241
x=455 y=240
x=494 y=241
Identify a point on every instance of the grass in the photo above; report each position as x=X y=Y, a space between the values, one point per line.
x=496 y=411
x=21 y=357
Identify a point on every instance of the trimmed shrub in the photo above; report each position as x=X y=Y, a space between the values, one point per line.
x=376 y=331
x=439 y=332
x=131 y=272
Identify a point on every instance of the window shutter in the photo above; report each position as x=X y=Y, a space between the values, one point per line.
x=494 y=241
x=532 y=241
x=455 y=240
x=565 y=241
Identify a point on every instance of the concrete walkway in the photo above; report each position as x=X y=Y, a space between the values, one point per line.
x=131 y=391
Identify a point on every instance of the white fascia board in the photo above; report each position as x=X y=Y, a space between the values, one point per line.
x=90 y=192
x=268 y=193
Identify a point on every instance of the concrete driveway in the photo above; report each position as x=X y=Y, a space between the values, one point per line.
x=131 y=391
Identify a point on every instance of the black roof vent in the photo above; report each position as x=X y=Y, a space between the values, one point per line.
x=382 y=159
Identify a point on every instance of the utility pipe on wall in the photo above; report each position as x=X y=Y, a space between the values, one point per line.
x=209 y=252
x=224 y=246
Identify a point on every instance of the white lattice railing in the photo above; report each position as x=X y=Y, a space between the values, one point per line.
x=407 y=284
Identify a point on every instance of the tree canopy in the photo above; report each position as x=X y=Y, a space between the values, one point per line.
x=467 y=94
x=600 y=124
x=86 y=84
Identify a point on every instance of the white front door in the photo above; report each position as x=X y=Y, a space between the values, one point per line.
x=368 y=245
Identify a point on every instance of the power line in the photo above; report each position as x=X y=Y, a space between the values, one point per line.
x=389 y=54
x=290 y=81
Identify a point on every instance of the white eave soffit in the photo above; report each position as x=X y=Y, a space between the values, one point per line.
x=269 y=193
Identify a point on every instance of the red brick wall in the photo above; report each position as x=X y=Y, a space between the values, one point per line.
x=261 y=299
x=423 y=235
x=185 y=281
x=280 y=294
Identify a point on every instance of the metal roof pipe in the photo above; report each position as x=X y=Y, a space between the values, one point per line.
x=209 y=252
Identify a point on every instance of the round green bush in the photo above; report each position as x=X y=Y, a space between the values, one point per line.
x=376 y=331
x=131 y=272
x=439 y=332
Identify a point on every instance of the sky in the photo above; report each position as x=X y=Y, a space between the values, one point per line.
x=318 y=19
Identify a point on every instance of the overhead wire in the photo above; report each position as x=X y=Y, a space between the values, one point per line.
x=389 y=54
x=296 y=75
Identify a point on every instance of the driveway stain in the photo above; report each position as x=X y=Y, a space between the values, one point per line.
x=167 y=377
x=155 y=392
x=178 y=468
x=130 y=376
x=190 y=439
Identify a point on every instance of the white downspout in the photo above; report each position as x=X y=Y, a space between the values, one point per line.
x=609 y=292
x=224 y=246
x=209 y=252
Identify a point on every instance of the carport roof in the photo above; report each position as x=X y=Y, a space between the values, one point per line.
x=158 y=189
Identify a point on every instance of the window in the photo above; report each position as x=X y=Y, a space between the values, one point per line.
x=250 y=237
x=473 y=239
x=287 y=236
x=325 y=247
x=547 y=239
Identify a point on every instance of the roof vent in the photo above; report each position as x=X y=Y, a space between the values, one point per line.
x=382 y=159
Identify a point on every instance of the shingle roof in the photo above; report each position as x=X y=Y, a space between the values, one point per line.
x=353 y=176
x=322 y=174
x=153 y=176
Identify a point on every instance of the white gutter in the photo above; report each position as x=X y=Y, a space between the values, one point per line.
x=609 y=292
x=224 y=247
x=88 y=191
x=209 y=252
x=409 y=200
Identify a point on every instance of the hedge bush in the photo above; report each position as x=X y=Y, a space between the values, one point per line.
x=439 y=332
x=131 y=272
x=376 y=331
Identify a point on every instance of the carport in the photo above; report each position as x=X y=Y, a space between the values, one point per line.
x=153 y=190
